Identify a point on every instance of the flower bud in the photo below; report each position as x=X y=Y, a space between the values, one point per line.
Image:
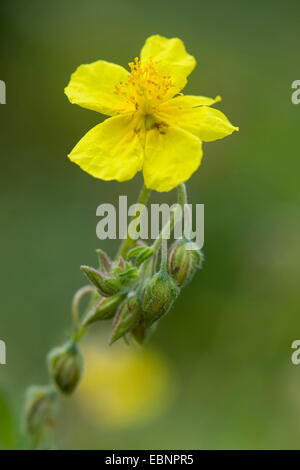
x=141 y=332
x=40 y=407
x=128 y=315
x=104 y=309
x=104 y=261
x=105 y=284
x=65 y=367
x=183 y=261
x=119 y=264
x=158 y=296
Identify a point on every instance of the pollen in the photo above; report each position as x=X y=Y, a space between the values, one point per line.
x=146 y=87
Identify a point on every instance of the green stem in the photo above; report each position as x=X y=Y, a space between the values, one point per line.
x=182 y=200
x=75 y=306
x=164 y=256
x=129 y=242
x=182 y=195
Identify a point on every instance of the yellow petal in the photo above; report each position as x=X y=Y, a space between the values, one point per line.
x=204 y=122
x=92 y=86
x=172 y=155
x=111 y=150
x=171 y=58
x=188 y=101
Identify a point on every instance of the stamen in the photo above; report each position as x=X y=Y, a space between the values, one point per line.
x=146 y=86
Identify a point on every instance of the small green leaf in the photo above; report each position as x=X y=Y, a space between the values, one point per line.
x=141 y=253
x=144 y=255
x=135 y=251
x=131 y=273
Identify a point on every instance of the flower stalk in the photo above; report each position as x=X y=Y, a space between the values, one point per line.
x=129 y=242
x=127 y=289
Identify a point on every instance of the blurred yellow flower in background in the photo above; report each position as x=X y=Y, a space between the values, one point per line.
x=123 y=386
x=151 y=129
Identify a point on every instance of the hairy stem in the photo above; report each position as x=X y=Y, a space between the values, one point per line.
x=167 y=229
x=75 y=305
x=129 y=242
x=182 y=195
x=164 y=256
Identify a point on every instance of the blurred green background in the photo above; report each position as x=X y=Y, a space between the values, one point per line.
x=227 y=380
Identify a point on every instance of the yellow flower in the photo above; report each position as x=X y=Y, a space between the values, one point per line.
x=153 y=128
x=122 y=387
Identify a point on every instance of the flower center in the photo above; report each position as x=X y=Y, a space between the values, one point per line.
x=146 y=86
